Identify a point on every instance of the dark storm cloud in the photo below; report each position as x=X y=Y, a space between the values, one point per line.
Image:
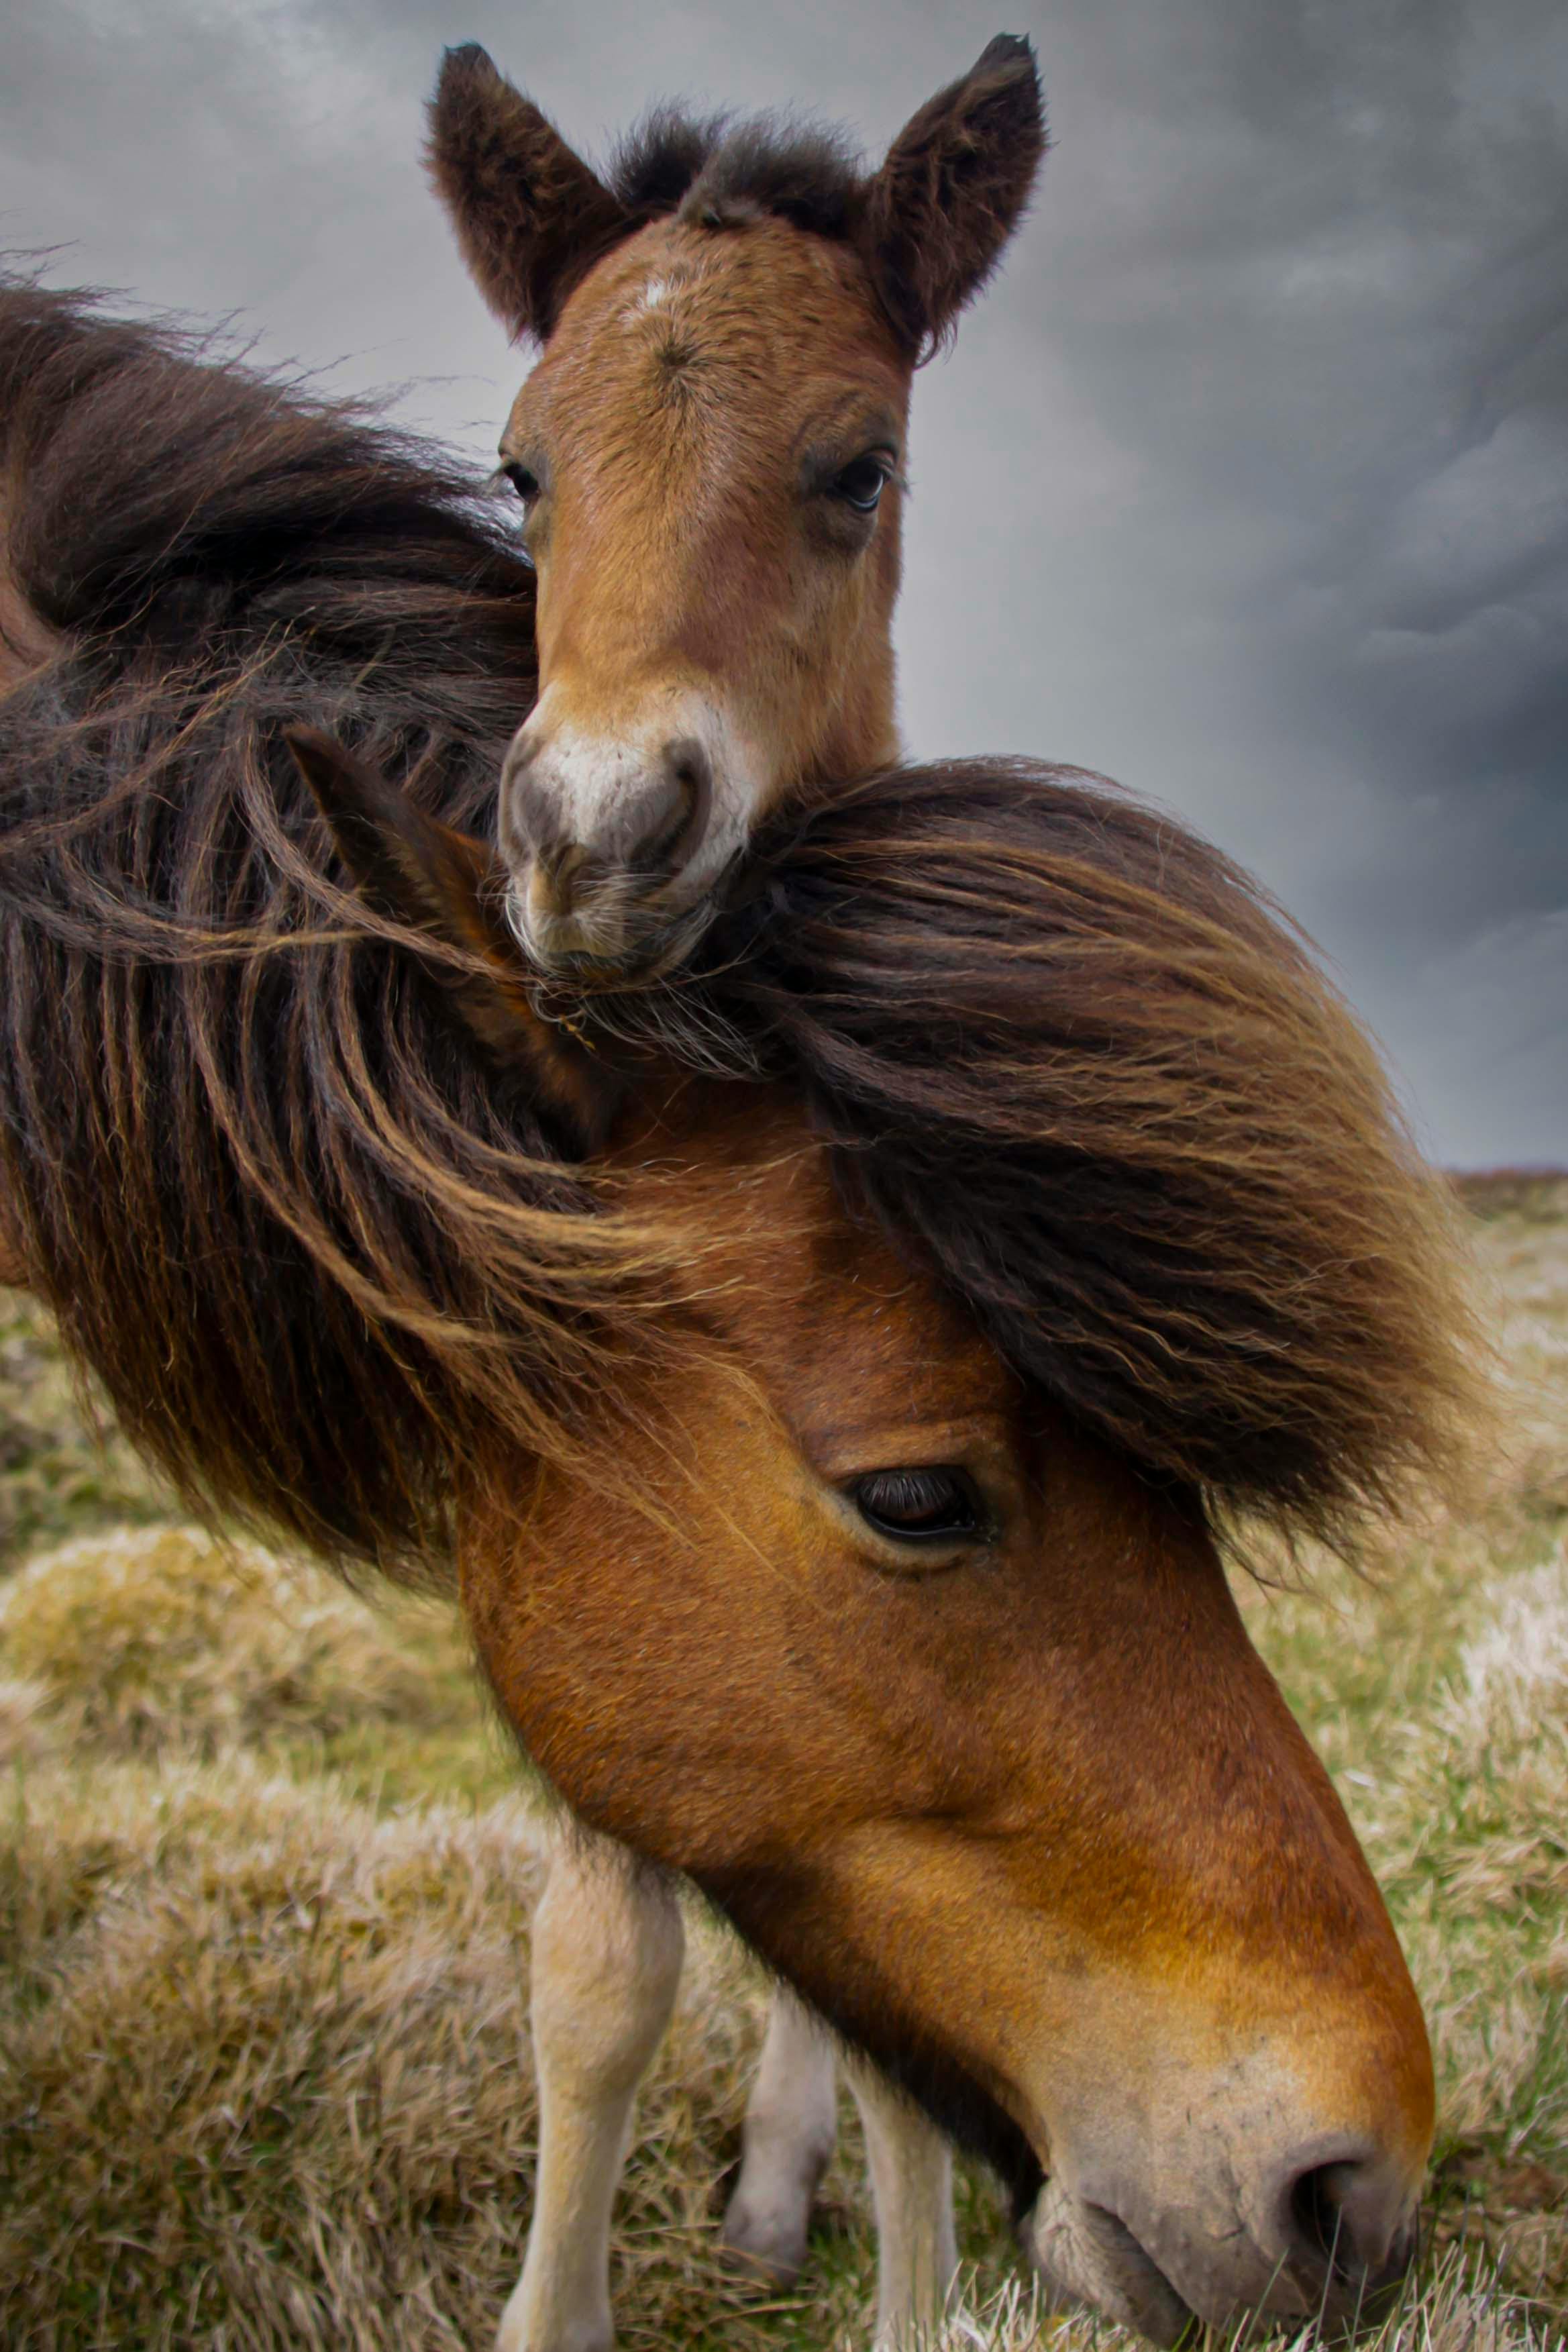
x=1248 y=483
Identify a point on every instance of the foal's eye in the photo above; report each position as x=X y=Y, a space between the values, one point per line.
x=526 y=484
x=861 y=483
x=918 y=1505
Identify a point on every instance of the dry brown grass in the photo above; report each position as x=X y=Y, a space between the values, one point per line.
x=146 y=1637
x=265 y=1884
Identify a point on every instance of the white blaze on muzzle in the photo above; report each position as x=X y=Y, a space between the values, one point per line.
x=615 y=842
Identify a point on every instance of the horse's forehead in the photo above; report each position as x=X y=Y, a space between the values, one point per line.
x=866 y=1341
x=824 y=1310
x=764 y=318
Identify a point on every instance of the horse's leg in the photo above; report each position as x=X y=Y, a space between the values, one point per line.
x=912 y=2182
x=606 y=1947
x=791 y=2122
x=790 y=2125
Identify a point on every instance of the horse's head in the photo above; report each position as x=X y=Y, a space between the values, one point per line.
x=891 y=1607
x=709 y=456
x=957 y=1720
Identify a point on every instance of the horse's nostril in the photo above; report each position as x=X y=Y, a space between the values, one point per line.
x=690 y=770
x=1349 y=2220
x=1316 y=2214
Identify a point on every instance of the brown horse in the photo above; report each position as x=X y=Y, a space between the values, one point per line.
x=710 y=459
x=835 y=1404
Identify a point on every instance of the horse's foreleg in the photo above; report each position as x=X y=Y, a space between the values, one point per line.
x=791 y=2122
x=606 y=1947
x=912 y=2182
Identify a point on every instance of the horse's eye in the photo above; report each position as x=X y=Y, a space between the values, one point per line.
x=918 y=1505
x=860 y=484
x=526 y=485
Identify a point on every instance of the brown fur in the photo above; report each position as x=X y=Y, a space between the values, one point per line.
x=1063 y=1051
x=1004 y=1127
x=675 y=554
x=531 y=217
x=952 y=190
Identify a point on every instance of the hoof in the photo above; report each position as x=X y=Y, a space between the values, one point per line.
x=768 y=2241
x=522 y=2331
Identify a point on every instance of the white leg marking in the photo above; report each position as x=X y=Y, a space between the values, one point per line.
x=791 y=2123
x=912 y=2182
x=607 y=1947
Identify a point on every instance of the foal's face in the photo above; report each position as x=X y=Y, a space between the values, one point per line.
x=707 y=456
x=958 y=1722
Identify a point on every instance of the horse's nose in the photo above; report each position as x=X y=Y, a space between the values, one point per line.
x=667 y=826
x=1349 y=2223
x=1328 y=2230
x=644 y=832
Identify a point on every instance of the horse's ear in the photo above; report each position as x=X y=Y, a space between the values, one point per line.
x=950 y=194
x=531 y=218
x=453 y=888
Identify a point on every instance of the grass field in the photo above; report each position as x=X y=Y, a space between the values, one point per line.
x=266 y=1875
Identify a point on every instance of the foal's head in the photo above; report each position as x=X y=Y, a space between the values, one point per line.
x=709 y=458
x=889 y=1606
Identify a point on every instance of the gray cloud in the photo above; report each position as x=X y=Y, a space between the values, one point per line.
x=1247 y=483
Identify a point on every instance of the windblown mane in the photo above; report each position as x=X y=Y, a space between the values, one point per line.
x=322 y=1255
x=310 y=1247
x=1079 y=1063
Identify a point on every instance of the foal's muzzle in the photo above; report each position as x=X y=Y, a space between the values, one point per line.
x=613 y=852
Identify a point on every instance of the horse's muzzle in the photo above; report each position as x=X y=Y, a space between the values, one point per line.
x=1329 y=2242
x=613 y=851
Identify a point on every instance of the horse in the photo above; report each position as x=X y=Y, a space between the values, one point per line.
x=833 y=1386
x=710 y=461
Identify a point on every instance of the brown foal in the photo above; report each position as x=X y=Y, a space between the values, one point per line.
x=710 y=459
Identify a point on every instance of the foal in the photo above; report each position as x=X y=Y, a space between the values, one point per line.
x=710 y=461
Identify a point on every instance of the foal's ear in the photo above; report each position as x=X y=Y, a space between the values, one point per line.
x=949 y=195
x=531 y=218
x=447 y=885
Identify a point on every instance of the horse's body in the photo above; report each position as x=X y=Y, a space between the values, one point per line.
x=829 y=1401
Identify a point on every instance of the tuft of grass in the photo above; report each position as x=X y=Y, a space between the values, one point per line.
x=267 y=1872
x=147 y=1637
x=63 y=1466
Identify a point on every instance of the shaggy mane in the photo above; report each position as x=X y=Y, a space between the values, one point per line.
x=310 y=1246
x=1078 y=1065
x=324 y=1257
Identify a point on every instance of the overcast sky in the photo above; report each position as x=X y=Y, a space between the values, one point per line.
x=1248 y=482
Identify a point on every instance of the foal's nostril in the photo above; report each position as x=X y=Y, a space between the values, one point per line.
x=690 y=770
x=1348 y=2220
x=672 y=817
